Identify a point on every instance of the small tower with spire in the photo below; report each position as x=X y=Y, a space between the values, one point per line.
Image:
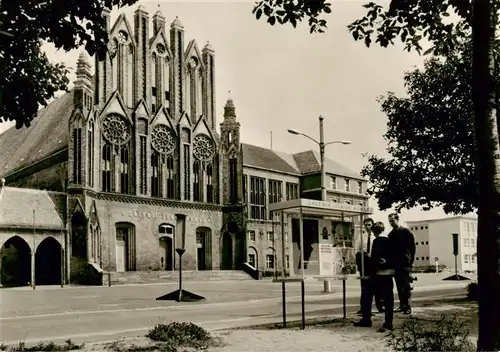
x=232 y=163
x=83 y=91
x=177 y=105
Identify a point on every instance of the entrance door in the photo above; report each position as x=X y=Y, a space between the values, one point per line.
x=121 y=255
x=167 y=253
x=201 y=250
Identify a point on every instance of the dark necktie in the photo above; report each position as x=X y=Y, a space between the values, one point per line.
x=369 y=244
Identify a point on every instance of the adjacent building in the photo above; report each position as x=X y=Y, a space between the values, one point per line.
x=434 y=242
x=129 y=165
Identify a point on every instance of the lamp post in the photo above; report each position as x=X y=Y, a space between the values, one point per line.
x=322 y=146
x=321 y=143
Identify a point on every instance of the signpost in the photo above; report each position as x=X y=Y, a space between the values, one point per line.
x=456 y=277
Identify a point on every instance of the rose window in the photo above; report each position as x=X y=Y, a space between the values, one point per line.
x=122 y=37
x=203 y=147
x=162 y=139
x=160 y=48
x=115 y=129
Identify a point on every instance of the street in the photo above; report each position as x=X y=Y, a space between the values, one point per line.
x=91 y=314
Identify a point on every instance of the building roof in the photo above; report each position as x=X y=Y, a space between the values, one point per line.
x=466 y=216
x=47 y=134
x=266 y=159
x=17 y=206
x=309 y=162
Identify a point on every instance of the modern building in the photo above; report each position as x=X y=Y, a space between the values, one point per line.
x=129 y=165
x=434 y=242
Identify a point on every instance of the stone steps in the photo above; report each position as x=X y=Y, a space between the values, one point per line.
x=150 y=277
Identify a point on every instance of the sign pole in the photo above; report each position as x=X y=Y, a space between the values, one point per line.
x=456 y=277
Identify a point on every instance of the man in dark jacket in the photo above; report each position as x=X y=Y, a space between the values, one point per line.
x=403 y=243
x=382 y=271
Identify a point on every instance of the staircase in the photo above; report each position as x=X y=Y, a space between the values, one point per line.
x=151 y=277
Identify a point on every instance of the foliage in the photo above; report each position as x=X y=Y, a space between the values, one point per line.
x=42 y=346
x=430 y=139
x=27 y=78
x=349 y=268
x=182 y=334
x=290 y=11
x=443 y=334
x=473 y=291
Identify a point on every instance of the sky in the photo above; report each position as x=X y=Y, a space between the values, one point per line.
x=280 y=77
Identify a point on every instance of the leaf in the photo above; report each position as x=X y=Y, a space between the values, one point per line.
x=258 y=13
x=271 y=20
x=327 y=9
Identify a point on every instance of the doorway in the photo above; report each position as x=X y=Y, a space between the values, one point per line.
x=204 y=248
x=167 y=247
x=48 y=264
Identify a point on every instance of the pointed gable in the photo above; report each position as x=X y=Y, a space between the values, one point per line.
x=78 y=207
x=164 y=118
x=115 y=105
x=193 y=51
x=160 y=38
x=122 y=24
x=202 y=127
x=184 y=121
x=141 y=110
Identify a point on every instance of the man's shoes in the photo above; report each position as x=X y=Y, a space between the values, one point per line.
x=363 y=323
x=406 y=311
x=359 y=312
x=385 y=327
x=398 y=310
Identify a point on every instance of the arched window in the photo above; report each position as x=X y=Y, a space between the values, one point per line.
x=142 y=128
x=156 y=184
x=199 y=92
x=154 y=71
x=170 y=178
x=186 y=142
x=197 y=192
x=166 y=230
x=78 y=236
x=77 y=150
x=209 y=186
x=90 y=154
x=107 y=152
x=124 y=166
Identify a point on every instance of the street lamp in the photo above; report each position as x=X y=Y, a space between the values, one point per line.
x=322 y=146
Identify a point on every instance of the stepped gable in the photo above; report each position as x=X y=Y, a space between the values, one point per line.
x=17 y=206
x=309 y=162
x=266 y=159
x=47 y=135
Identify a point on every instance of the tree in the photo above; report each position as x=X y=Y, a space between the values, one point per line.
x=430 y=139
x=412 y=21
x=27 y=78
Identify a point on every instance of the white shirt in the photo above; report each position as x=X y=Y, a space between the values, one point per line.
x=362 y=246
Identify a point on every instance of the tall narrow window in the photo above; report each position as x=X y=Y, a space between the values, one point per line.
x=258 y=198
x=124 y=166
x=154 y=68
x=186 y=140
x=189 y=80
x=170 y=178
x=292 y=191
x=209 y=186
x=233 y=181
x=90 y=156
x=166 y=80
x=187 y=172
x=155 y=176
x=275 y=191
x=199 y=92
x=143 y=131
x=77 y=152
x=245 y=188
x=106 y=168
x=197 y=196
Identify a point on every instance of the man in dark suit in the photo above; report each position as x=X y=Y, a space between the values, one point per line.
x=382 y=271
x=404 y=255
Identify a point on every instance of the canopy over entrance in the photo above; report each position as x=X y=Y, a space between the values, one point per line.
x=319 y=209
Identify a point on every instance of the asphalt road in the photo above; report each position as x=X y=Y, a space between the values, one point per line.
x=88 y=324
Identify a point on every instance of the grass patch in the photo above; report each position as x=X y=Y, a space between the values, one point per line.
x=43 y=346
x=172 y=337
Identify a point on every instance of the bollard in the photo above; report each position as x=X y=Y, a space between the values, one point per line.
x=326 y=286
